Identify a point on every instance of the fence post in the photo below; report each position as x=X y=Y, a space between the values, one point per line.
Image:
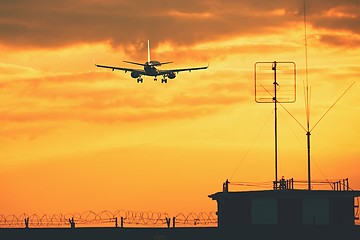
x=168 y=221
x=174 y=220
x=122 y=222
x=26 y=222
x=72 y=222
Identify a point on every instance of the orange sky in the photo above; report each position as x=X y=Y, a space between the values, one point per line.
x=75 y=138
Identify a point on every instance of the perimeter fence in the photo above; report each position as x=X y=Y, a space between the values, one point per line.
x=120 y=218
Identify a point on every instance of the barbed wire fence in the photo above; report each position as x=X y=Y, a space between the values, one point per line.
x=120 y=218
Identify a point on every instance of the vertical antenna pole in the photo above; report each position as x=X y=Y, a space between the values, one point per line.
x=265 y=93
x=307 y=99
x=309 y=166
x=275 y=102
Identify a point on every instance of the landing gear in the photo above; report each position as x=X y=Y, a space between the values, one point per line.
x=139 y=80
x=164 y=80
x=155 y=79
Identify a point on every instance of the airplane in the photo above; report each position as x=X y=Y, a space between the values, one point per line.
x=150 y=69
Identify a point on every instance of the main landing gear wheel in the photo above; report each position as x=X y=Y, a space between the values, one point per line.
x=139 y=80
x=164 y=80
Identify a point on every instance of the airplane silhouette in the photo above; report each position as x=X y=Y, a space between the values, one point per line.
x=151 y=70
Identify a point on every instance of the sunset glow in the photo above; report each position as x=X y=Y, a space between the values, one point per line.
x=75 y=137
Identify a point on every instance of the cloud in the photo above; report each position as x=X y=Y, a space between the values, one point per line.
x=344 y=40
x=41 y=103
x=336 y=17
x=44 y=24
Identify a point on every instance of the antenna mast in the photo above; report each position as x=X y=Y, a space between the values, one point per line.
x=275 y=93
x=306 y=85
x=307 y=104
x=275 y=103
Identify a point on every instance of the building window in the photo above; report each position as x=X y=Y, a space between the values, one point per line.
x=263 y=211
x=315 y=211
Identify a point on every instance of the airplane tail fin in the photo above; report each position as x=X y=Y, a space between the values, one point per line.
x=148 y=50
x=149 y=62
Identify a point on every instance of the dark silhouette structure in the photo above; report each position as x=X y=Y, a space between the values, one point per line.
x=281 y=213
x=287 y=213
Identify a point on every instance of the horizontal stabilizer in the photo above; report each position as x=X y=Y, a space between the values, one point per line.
x=140 y=64
x=165 y=63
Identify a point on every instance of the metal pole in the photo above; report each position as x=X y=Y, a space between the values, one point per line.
x=309 y=167
x=275 y=102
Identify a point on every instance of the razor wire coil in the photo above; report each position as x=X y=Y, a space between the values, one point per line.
x=119 y=217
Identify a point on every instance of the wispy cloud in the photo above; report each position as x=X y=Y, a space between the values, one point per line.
x=42 y=24
x=52 y=99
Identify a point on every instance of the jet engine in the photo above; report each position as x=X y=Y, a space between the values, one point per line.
x=171 y=75
x=135 y=74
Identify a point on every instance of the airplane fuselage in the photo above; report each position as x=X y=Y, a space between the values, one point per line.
x=150 y=68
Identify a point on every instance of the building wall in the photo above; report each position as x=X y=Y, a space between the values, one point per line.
x=341 y=211
x=234 y=212
x=290 y=211
x=293 y=210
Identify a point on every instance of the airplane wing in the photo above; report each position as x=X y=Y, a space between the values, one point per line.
x=161 y=72
x=141 y=71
